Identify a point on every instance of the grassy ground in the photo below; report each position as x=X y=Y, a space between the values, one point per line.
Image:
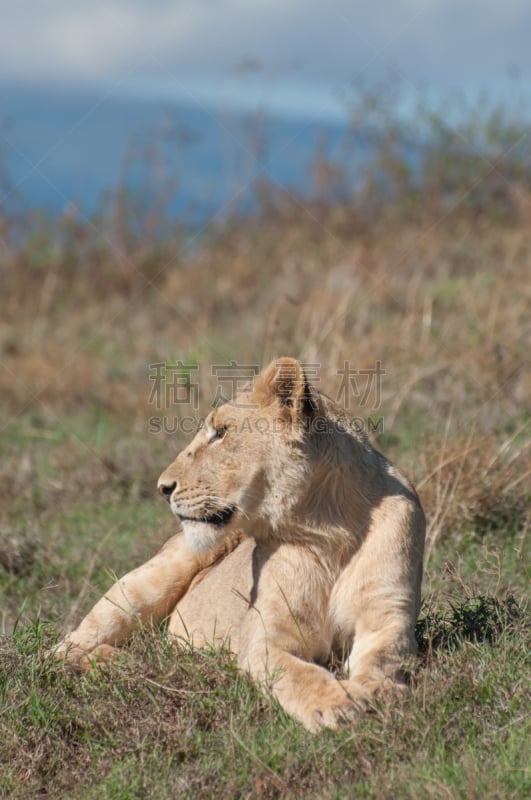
x=444 y=305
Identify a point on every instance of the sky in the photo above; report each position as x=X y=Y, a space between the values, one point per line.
x=81 y=81
x=293 y=56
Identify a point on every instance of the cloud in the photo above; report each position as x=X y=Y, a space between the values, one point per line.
x=439 y=40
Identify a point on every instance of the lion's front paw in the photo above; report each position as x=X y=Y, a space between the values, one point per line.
x=337 y=716
x=386 y=690
x=75 y=656
x=341 y=704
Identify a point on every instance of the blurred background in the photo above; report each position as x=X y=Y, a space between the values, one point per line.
x=212 y=96
x=208 y=184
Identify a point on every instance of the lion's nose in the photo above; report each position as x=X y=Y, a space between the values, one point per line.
x=166 y=489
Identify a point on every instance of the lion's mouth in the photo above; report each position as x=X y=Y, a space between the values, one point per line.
x=221 y=517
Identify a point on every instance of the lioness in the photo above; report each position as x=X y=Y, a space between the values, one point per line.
x=332 y=563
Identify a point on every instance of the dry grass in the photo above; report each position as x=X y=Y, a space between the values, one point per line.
x=444 y=310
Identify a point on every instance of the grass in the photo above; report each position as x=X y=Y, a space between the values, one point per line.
x=439 y=293
x=155 y=726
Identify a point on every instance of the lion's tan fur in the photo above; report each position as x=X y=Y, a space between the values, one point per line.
x=334 y=564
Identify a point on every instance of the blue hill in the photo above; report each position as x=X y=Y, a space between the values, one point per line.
x=61 y=147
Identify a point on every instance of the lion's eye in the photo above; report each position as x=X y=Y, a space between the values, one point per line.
x=218 y=433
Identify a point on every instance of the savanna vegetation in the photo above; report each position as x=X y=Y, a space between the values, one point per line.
x=421 y=264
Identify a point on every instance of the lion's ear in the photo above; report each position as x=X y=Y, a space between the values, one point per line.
x=284 y=380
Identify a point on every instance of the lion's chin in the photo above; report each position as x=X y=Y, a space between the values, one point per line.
x=202 y=536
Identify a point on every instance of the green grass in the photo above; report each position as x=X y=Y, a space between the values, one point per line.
x=161 y=724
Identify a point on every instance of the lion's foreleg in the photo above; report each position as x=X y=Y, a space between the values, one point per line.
x=287 y=631
x=142 y=597
x=377 y=599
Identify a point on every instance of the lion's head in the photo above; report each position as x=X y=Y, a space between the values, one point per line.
x=281 y=454
x=235 y=469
